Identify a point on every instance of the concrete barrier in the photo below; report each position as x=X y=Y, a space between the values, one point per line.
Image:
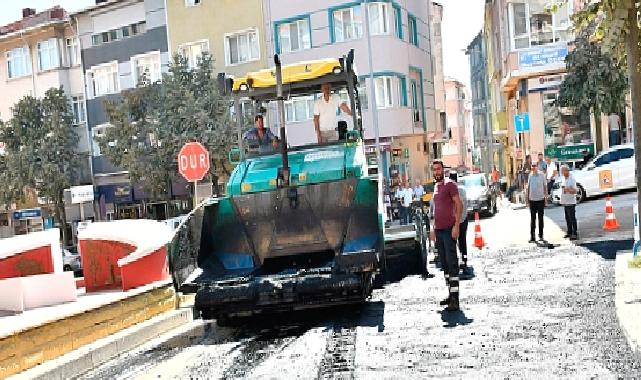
x=35 y=253
x=124 y=254
x=21 y=293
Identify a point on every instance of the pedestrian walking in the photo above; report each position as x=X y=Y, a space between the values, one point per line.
x=568 y=201
x=541 y=164
x=536 y=200
x=445 y=231
x=462 y=237
x=496 y=177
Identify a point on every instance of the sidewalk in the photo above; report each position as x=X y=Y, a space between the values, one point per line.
x=628 y=300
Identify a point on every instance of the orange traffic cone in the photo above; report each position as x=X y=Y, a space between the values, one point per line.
x=610 y=220
x=478 y=238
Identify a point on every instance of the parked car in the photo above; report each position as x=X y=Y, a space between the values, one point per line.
x=611 y=170
x=71 y=259
x=481 y=197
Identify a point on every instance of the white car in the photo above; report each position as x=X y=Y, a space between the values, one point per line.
x=611 y=170
x=71 y=259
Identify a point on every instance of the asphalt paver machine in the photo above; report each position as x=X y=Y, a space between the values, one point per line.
x=299 y=227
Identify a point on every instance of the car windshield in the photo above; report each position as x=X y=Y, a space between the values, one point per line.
x=474 y=181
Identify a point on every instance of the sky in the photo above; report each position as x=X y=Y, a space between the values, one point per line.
x=462 y=20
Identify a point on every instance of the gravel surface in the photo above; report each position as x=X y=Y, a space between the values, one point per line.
x=528 y=313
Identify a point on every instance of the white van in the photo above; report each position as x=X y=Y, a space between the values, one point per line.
x=612 y=170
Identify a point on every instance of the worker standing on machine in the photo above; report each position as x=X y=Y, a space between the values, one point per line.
x=325 y=121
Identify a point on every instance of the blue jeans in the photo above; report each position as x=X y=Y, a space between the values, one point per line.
x=615 y=138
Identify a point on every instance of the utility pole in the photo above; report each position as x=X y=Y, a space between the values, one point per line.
x=372 y=91
x=634 y=56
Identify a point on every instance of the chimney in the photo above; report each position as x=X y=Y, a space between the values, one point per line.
x=26 y=12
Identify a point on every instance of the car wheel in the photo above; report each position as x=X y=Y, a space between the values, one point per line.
x=581 y=195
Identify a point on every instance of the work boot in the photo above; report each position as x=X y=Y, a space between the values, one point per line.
x=453 y=305
x=445 y=301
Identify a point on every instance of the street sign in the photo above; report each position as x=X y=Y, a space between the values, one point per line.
x=81 y=194
x=27 y=213
x=542 y=56
x=569 y=152
x=522 y=122
x=193 y=161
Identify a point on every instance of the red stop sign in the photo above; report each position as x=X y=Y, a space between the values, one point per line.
x=193 y=161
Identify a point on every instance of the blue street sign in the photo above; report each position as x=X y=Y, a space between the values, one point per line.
x=522 y=122
x=542 y=56
x=28 y=213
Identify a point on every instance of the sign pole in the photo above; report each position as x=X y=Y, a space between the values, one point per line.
x=195 y=194
x=82 y=211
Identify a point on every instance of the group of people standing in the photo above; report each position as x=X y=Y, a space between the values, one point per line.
x=405 y=195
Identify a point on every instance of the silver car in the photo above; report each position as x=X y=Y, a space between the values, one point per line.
x=71 y=260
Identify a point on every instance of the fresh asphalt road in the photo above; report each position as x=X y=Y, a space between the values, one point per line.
x=591 y=216
x=529 y=312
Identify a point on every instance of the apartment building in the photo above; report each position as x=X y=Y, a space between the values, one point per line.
x=120 y=40
x=40 y=51
x=527 y=45
x=233 y=32
x=402 y=67
x=457 y=152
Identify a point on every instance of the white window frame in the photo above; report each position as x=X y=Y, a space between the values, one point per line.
x=185 y=50
x=555 y=28
x=309 y=109
x=98 y=130
x=383 y=21
x=72 y=49
x=49 y=46
x=78 y=109
x=356 y=32
x=303 y=28
x=91 y=73
x=26 y=69
x=247 y=32
x=156 y=74
x=387 y=98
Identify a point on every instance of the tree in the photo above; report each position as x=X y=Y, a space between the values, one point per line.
x=618 y=30
x=40 y=151
x=595 y=82
x=153 y=121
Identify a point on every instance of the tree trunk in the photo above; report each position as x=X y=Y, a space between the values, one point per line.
x=634 y=56
x=597 y=129
x=61 y=215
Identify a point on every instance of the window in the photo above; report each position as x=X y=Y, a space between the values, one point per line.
x=294 y=36
x=412 y=29
x=348 y=24
x=402 y=91
x=378 y=18
x=97 y=132
x=192 y=3
x=193 y=51
x=119 y=33
x=242 y=47
x=73 y=51
x=78 y=107
x=147 y=66
x=415 y=100
x=398 y=22
x=18 y=62
x=532 y=24
x=48 y=54
x=299 y=109
x=603 y=160
x=104 y=79
x=626 y=153
x=383 y=90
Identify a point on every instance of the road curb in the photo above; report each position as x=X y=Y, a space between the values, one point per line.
x=628 y=301
x=92 y=355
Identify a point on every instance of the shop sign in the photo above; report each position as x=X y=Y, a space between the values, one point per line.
x=81 y=194
x=605 y=179
x=570 y=152
x=27 y=213
x=522 y=122
x=544 y=83
x=542 y=56
x=123 y=194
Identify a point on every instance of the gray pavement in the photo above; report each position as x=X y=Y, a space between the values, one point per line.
x=529 y=312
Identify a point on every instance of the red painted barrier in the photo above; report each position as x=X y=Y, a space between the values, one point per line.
x=100 y=263
x=27 y=263
x=147 y=269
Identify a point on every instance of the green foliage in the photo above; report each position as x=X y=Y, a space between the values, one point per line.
x=40 y=150
x=153 y=121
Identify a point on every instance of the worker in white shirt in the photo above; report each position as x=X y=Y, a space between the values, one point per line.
x=325 y=120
